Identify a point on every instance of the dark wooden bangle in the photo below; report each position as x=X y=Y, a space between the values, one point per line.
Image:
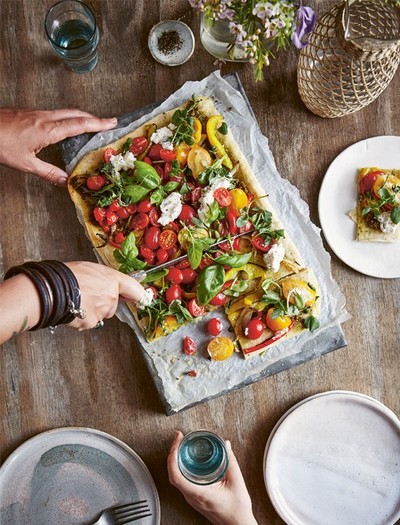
x=43 y=288
x=71 y=287
x=59 y=294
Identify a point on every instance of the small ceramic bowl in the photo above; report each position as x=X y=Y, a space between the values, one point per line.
x=171 y=42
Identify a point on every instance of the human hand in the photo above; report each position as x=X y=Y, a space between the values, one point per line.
x=24 y=132
x=101 y=287
x=226 y=502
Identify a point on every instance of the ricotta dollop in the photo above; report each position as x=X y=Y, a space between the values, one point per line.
x=171 y=208
x=385 y=223
x=163 y=136
x=274 y=257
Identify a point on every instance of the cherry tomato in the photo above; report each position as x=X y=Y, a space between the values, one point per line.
x=239 y=199
x=278 y=323
x=123 y=212
x=131 y=209
x=189 y=346
x=154 y=290
x=139 y=145
x=231 y=219
x=195 y=309
x=108 y=153
x=148 y=255
x=254 y=329
x=174 y=226
x=152 y=237
x=173 y=252
x=196 y=194
x=183 y=264
x=114 y=206
x=111 y=218
x=119 y=237
x=154 y=152
x=219 y=299
x=173 y=293
x=223 y=197
x=100 y=215
x=162 y=255
x=220 y=348
x=154 y=216
x=167 y=171
x=367 y=182
x=96 y=182
x=144 y=206
x=182 y=151
x=187 y=213
x=159 y=170
x=247 y=227
x=174 y=275
x=192 y=373
x=214 y=326
x=261 y=244
x=206 y=261
x=189 y=275
x=140 y=222
x=167 y=154
x=148 y=160
x=168 y=239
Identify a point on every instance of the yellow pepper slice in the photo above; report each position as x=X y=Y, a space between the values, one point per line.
x=213 y=123
x=197 y=131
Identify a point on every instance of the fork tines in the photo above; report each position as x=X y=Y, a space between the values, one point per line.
x=131 y=512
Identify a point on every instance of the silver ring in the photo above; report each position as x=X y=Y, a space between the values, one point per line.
x=100 y=324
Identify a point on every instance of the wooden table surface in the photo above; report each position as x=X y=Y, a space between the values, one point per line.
x=99 y=378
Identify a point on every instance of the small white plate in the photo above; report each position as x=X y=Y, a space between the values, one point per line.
x=69 y=475
x=161 y=42
x=334 y=459
x=338 y=195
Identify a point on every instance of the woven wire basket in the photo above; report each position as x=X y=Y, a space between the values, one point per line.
x=338 y=75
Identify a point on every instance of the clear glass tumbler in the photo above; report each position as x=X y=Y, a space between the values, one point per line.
x=202 y=457
x=73 y=34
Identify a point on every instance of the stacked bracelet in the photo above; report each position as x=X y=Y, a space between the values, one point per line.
x=58 y=289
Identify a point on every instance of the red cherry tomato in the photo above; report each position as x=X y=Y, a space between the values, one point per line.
x=227 y=284
x=119 y=237
x=247 y=227
x=154 y=152
x=231 y=219
x=139 y=145
x=154 y=216
x=167 y=154
x=148 y=255
x=154 y=290
x=144 y=206
x=159 y=170
x=114 y=206
x=214 y=326
x=183 y=264
x=147 y=160
x=174 y=226
x=100 y=215
x=168 y=239
x=173 y=252
x=195 y=309
x=131 y=208
x=108 y=153
x=96 y=182
x=196 y=194
x=206 y=261
x=223 y=197
x=189 y=346
x=111 y=218
x=189 y=275
x=123 y=212
x=152 y=237
x=187 y=213
x=219 y=299
x=140 y=222
x=261 y=244
x=162 y=255
x=173 y=293
x=254 y=329
x=367 y=183
x=174 y=275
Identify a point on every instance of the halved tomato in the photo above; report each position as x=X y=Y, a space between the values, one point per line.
x=261 y=244
x=108 y=153
x=195 y=309
x=223 y=197
x=167 y=239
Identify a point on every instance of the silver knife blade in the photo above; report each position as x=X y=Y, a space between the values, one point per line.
x=141 y=274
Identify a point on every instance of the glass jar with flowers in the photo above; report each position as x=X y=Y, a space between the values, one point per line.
x=253 y=31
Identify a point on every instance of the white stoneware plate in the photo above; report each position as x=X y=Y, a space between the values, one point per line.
x=338 y=195
x=334 y=459
x=67 y=476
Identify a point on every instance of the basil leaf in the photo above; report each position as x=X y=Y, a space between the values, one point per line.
x=195 y=253
x=212 y=212
x=237 y=288
x=146 y=175
x=234 y=260
x=311 y=323
x=126 y=146
x=135 y=193
x=157 y=196
x=223 y=129
x=128 y=246
x=241 y=221
x=209 y=282
x=171 y=186
x=154 y=276
x=395 y=215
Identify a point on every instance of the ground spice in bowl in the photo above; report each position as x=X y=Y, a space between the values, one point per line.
x=169 y=42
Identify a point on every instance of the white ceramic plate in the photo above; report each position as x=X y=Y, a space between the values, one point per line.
x=338 y=195
x=67 y=476
x=334 y=459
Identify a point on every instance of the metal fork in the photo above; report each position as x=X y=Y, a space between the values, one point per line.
x=121 y=514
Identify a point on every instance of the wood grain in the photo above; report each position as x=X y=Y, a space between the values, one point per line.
x=99 y=378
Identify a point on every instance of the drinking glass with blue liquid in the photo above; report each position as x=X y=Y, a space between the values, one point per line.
x=202 y=457
x=73 y=34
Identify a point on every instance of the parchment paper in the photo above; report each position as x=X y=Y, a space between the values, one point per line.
x=165 y=358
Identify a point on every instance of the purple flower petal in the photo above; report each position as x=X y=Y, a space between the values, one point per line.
x=305 y=19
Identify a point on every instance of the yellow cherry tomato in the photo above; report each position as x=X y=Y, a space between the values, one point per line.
x=239 y=199
x=389 y=182
x=278 y=323
x=197 y=131
x=213 y=123
x=291 y=286
x=198 y=160
x=182 y=151
x=220 y=348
